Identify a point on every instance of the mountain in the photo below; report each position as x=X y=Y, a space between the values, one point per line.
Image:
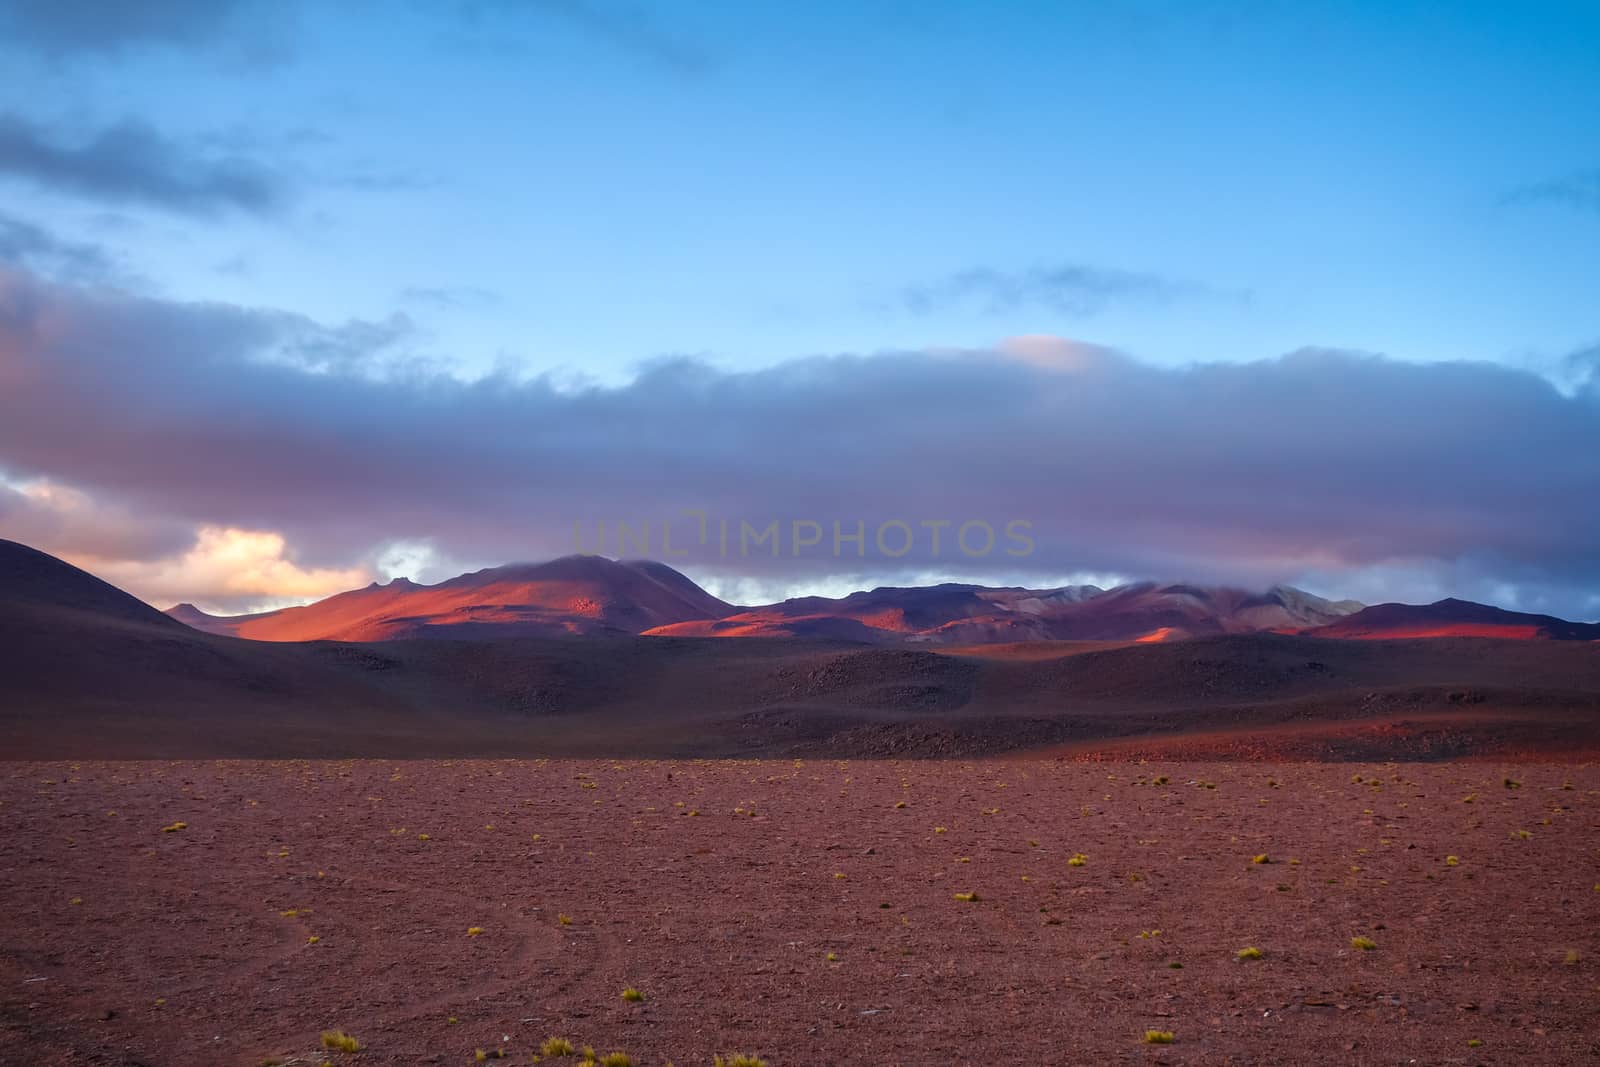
x=32 y=581
x=592 y=595
x=973 y=615
x=1453 y=618
x=571 y=595
x=89 y=672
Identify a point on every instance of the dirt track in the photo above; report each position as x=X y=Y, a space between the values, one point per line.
x=126 y=945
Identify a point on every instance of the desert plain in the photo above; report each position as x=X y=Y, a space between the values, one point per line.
x=1022 y=910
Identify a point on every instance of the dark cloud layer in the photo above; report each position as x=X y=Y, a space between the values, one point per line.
x=1319 y=462
x=132 y=162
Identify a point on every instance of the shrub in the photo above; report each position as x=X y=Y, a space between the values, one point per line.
x=557 y=1046
x=1263 y=858
x=1452 y=861
x=339 y=1041
x=1159 y=1037
x=1365 y=944
x=739 y=1059
x=616 y=1059
x=632 y=995
x=1078 y=860
x=1248 y=953
x=474 y=931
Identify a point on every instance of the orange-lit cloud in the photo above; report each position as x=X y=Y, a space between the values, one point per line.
x=228 y=568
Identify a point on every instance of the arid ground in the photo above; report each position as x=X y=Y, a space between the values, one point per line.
x=809 y=912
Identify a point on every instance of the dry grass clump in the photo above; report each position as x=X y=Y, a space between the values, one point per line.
x=555 y=1047
x=1365 y=944
x=1159 y=1037
x=1078 y=860
x=616 y=1059
x=738 y=1059
x=175 y=827
x=474 y=931
x=339 y=1041
x=632 y=995
x=1263 y=858
x=1248 y=953
x=966 y=898
x=1452 y=861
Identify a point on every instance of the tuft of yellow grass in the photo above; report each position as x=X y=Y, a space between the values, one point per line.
x=175 y=827
x=632 y=995
x=1365 y=944
x=738 y=1059
x=966 y=898
x=1159 y=1037
x=339 y=1041
x=556 y=1047
x=474 y=931
x=1078 y=860
x=564 y=920
x=616 y=1059
x=899 y=804
x=1263 y=858
x=1249 y=952
x=1452 y=861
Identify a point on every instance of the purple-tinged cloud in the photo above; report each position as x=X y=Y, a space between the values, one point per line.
x=1326 y=463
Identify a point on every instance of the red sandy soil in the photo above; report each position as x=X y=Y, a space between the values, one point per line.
x=121 y=944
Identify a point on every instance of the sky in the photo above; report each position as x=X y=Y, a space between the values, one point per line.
x=297 y=296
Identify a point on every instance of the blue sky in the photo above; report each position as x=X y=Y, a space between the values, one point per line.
x=585 y=188
x=597 y=184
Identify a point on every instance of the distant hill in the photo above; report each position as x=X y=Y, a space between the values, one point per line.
x=89 y=672
x=587 y=595
x=1454 y=618
x=572 y=595
x=31 y=580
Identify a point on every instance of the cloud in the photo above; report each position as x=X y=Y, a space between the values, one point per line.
x=1066 y=288
x=1580 y=191
x=229 y=569
x=25 y=243
x=1469 y=476
x=631 y=30
x=66 y=29
x=71 y=523
x=131 y=162
x=449 y=297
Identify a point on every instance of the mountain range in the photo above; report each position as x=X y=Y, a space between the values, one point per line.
x=576 y=666
x=593 y=595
